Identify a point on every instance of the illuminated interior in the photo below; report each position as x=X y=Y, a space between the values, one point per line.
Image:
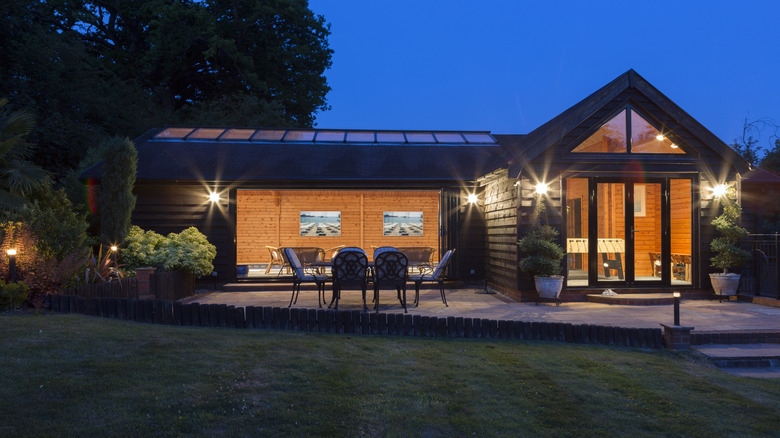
x=613 y=137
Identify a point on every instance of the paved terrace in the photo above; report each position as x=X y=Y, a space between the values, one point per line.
x=704 y=315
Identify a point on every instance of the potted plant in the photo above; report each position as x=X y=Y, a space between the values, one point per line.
x=728 y=254
x=540 y=257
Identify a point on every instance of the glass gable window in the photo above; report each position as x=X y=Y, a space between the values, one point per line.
x=615 y=137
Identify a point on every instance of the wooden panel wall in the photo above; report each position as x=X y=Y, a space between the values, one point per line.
x=272 y=217
x=501 y=204
x=681 y=201
x=648 y=231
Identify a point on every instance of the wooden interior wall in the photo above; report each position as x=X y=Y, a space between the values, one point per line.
x=272 y=217
x=681 y=192
x=577 y=193
x=501 y=202
x=647 y=231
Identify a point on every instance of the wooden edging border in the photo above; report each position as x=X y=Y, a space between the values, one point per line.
x=350 y=321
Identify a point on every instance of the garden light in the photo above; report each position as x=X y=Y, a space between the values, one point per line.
x=676 y=296
x=12 y=264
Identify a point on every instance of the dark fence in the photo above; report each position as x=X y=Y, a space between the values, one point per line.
x=760 y=276
x=122 y=288
x=172 y=285
x=169 y=285
x=351 y=322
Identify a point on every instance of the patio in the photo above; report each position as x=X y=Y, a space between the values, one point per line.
x=704 y=315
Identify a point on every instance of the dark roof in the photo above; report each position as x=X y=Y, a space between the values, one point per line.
x=545 y=136
x=761 y=176
x=166 y=158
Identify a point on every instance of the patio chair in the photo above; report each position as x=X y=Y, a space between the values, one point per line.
x=299 y=276
x=350 y=268
x=330 y=253
x=437 y=275
x=390 y=269
x=276 y=258
x=419 y=257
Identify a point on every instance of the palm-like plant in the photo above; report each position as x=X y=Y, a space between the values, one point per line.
x=18 y=177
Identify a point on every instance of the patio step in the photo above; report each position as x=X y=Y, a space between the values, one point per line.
x=753 y=360
x=734 y=337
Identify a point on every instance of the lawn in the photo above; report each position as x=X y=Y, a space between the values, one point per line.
x=74 y=375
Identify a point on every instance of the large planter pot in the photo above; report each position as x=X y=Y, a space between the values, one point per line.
x=725 y=284
x=548 y=287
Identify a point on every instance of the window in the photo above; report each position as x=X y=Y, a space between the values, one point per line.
x=628 y=132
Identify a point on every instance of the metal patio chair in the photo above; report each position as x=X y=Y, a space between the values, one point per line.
x=350 y=268
x=390 y=269
x=437 y=275
x=299 y=276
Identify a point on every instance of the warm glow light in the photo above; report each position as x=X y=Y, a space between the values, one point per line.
x=720 y=190
x=676 y=294
x=214 y=197
x=541 y=188
x=113 y=248
x=659 y=137
x=674 y=146
x=11 y=252
x=472 y=198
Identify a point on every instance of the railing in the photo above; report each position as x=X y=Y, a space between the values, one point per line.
x=761 y=275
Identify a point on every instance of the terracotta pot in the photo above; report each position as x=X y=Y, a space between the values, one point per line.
x=548 y=287
x=725 y=284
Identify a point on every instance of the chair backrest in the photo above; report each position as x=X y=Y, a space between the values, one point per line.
x=382 y=249
x=350 y=266
x=418 y=255
x=352 y=248
x=275 y=255
x=331 y=252
x=294 y=262
x=441 y=268
x=390 y=267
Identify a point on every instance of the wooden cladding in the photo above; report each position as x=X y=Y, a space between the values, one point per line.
x=272 y=217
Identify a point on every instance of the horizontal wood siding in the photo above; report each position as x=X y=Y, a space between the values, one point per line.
x=501 y=206
x=169 y=208
x=272 y=218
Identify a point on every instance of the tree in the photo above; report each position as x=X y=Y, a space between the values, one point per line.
x=752 y=131
x=771 y=160
x=18 y=177
x=92 y=70
x=116 y=200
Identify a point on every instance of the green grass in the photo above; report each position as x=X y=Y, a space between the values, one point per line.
x=72 y=375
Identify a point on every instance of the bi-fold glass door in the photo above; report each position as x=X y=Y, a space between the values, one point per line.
x=628 y=231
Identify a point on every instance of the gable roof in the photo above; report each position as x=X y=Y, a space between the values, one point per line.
x=540 y=139
x=421 y=156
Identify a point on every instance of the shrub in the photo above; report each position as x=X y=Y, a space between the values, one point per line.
x=187 y=251
x=727 y=252
x=539 y=252
x=116 y=199
x=13 y=295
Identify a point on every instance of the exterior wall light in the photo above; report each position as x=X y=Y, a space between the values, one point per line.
x=720 y=190
x=659 y=137
x=541 y=188
x=472 y=198
x=213 y=196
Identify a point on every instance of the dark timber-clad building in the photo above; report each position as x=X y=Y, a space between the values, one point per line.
x=629 y=178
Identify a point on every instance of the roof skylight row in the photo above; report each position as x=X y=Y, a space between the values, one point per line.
x=324 y=136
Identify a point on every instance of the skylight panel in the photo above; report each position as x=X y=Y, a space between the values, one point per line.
x=172 y=133
x=360 y=137
x=297 y=135
x=449 y=137
x=420 y=137
x=205 y=134
x=478 y=138
x=237 y=134
x=390 y=137
x=337 y=136
x=268 y=135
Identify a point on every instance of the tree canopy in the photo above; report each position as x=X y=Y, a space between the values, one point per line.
x=91 y=70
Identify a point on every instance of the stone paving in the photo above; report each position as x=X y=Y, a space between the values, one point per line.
x=472 y=303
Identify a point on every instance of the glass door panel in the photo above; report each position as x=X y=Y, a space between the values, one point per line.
x=647 y=232
x=680 y=230
x=577 y=232
x=611 y=232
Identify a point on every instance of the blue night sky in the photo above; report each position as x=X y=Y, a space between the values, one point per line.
x=509 y=66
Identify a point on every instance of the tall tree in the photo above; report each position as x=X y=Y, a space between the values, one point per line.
x=91 y=70
x=116 y=200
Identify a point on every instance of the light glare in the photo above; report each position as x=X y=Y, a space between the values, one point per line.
x=472 y=198
x=541 y=188
x=11 y=252
x=214 y=197
x=720 y=190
